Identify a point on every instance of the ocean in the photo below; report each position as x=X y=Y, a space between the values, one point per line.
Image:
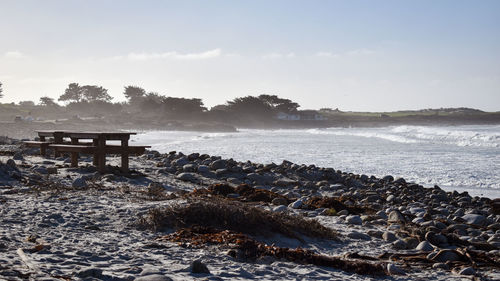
x=462 y=158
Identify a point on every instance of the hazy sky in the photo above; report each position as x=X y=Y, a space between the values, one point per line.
x=354 y=55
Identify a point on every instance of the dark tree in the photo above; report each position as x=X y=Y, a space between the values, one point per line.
x=1 y=90
x=134 y=94
x=250 y=105
x=279 y=104
x=182 y=106
x=46 y=101
x=95 y=93
x=74 y=93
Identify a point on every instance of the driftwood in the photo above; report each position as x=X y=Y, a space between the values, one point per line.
x=27 y=261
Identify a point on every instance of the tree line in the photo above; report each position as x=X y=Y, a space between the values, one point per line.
x=92 y=98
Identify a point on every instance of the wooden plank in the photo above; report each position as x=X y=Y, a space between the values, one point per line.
x=73 y=148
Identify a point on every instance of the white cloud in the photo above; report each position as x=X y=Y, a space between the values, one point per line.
x=279 y=56
x=14 y=55
x=172 y=55
x=327 y=55
x=360 y=52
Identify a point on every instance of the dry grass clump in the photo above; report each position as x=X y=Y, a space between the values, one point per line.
x=236 y=216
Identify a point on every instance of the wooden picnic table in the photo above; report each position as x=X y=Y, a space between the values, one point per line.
x=97 y=147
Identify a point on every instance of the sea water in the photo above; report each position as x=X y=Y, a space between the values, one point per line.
x=463 y=158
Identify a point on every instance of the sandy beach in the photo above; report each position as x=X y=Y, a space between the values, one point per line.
x=161 y=222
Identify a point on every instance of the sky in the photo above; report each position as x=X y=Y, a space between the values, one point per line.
x=353 y=55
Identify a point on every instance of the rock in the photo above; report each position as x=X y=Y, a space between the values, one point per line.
x=358 y=236
x=281 y=208
x=180 y=161
x=11 y=163
x=203 y=169
x=474 y=219
x=389 y=236
x=279 y=201
x=259 y=179
x=382 y=215
x=375 y=233
x=79 y=183
x=41 y=170
x=444 y=256
x=52 y=170
x=393 y=269
x=353 y=219
x=411 y=242
x=218 y=164
x=343 y=213
x=388 y=178
x=297 y=204
x=424 y=246
x=187 y=177
x=90 y=272
x=153 y=277
x=18 y=156
x=198 y=266
x=396 y=217
x=390 y=198
x=189 y=168
x=435 y=239
x=399 y=245
x=440 y=265
x=467 y=271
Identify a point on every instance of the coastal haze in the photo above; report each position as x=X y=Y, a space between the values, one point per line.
x=249 y=140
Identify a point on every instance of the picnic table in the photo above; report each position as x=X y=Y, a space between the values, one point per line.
x=96 y=145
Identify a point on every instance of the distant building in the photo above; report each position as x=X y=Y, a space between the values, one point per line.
x=286 y=116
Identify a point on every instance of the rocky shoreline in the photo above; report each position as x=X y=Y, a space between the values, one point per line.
x=161 y=222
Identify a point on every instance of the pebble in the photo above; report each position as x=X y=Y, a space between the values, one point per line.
x=424 y=246
x=389 y=236
x=281 y=208
x=396 y=217
x=79 y=183
x=153 y=277
x=353 y=219
x=393 y=269
x=297 y=204
x=198 y=266
x=474 y=219
x=444 y=256
x=399 y=244
x=358 y=235
x=467 y=271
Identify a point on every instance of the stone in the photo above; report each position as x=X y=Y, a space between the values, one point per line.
x=353 y=219
x=198 y=266
x=375 y=233
x=153 y=277
x=399 y=244
x=435 y=239
x=467 y=271
x=218 y=164
x=281 y=208
x=203 y=169
x=390 y=198
x=388 y=178
x=187 y=177
x=297 y=204
x=393 y=269
x=343 y=213
x=424 y=246
x=41 y=170
x=79 y=183
x=358 y=236
x=389 y=236
x=440 y=265
x=411 y=242
x=474 y=219
x=396 y=217
x=382 y=215
x=11 y=163
x=52 y=170
x=18 y=156
x=444 y=256
x=189 y=168
x=180 y=161
x=90 y=272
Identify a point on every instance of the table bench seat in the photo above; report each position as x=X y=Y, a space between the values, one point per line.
x=40 y=144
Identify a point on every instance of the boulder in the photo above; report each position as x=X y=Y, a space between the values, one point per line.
x=445 y=256
x=218 y=164
x=79 y=183
x=187 y=177
x=389 y=236
x=198 y=266
x=396 y=217
x=358 y=236
x=424 y=246
x=393 y=269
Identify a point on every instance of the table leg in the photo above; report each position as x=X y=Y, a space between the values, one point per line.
x=101 y=164
x=74 y=155
x=58 y=139
x=43 y=147
x=125 y=164
x=96 y=155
